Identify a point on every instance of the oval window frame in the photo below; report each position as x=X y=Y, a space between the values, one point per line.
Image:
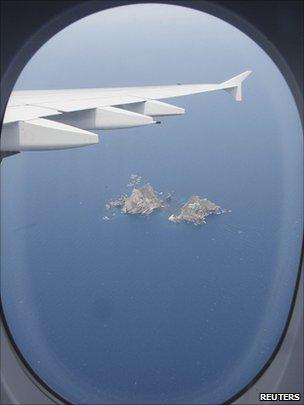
x=75 y=13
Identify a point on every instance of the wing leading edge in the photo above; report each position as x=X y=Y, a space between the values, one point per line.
x=59 y=119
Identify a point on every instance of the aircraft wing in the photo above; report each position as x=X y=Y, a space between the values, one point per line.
x=59 y=119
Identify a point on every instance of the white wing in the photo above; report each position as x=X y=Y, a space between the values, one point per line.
x=58 y=119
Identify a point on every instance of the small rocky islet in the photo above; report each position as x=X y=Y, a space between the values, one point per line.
x=196 y=210
x=142 y=201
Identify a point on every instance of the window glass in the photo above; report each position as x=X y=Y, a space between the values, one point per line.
x=137 y=309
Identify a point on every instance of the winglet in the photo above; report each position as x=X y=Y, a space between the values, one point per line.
x=234 y=85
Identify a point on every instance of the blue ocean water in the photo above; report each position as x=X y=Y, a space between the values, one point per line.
x=138 y=309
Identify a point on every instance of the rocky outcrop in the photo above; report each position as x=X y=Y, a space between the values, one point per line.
x=142 y=201
x=195 y=210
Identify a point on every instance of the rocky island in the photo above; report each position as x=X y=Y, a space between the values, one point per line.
x=195 y=210
x=142 y=201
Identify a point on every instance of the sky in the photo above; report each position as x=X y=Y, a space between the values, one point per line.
x=139 y=309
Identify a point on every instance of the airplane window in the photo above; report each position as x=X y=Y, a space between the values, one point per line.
x=110 y=306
